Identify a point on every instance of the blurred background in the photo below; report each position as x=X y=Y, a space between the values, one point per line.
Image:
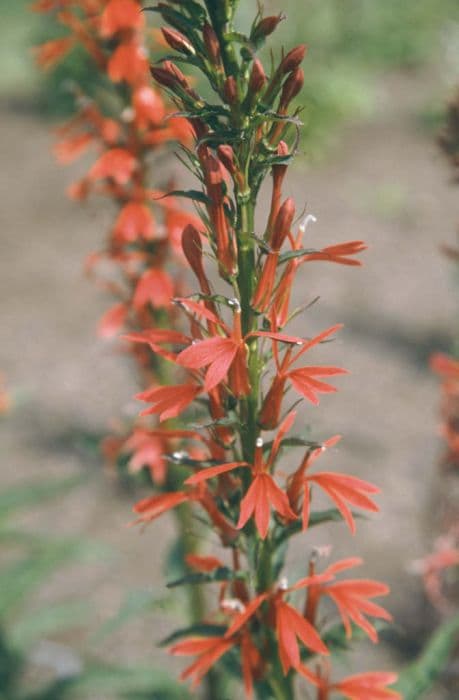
x=82 y=595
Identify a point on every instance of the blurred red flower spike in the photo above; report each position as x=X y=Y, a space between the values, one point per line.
x=203 y=564
x=120 y=15
x=155 y=287
x=128 y=63
x=112 y=321
x=169 y=401
x=117 y=164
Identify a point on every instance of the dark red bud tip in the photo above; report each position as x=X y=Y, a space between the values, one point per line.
x=211 y=43
x=257 y=77
x=177 y=73
x=283 y=223
x=266 y=26
x=230 y=90
x=293 y=59
x=177 y=41
x=226 y=155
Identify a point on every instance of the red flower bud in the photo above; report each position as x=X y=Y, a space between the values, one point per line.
x=212 y=44
x=292 y=86
x=257 y=77
x=266 y=27
x=226 y=155
x=177 y=41
x=283 y=224
x=230 y=90
x=292 y=60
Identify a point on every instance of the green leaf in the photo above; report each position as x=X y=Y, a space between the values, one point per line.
x=316 y=518
x=198 y=630
x=31 y=493
x=223 y=573
x=194 y=195
x=419 y=678
x=292 y=254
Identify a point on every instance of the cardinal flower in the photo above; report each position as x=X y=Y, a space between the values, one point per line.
x=291 y=626
x=169 y=401
x=225 y=355
x=341 y=488
x=128 y=63
x=210 y=649
x=134 y=221
x=147 y=450
x=155 y=287
x=303 y=380
x=362 y=686
x=263 y=493
x=350 y=596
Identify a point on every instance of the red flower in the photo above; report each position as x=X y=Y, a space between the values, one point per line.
x=204 y=564
x=368 y=686
x=263 y=493
x=150 y=508
x=155 y=287
x=169 y=401
x=291 y=626
x=134 y=221
x=72 y=147
x=149 y=107
x=224 y=355
x=304 y=379
x=112 y=321
x=128 y=63
x=119 y=15
x=210 y=649
x=341 y=488
x=338 y=253
x=116 y=164
x=51 y=52
x=350 y=597
x=147 y=450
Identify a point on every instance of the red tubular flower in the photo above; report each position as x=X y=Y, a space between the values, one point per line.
x=291 y=626
x=169 y=401
x=263 y=493
x=53 y=51
x=134 y=221
x=155 y=287
x=281 y=229
x=116 y=164
x=149 y=509
x=147 y=450
x=303 y=379
x=338 y=253
x=367 y=686
x=203 y=564
x=341 y=488
x=112 y=321
x=350 y=597
x=128 y=63
x=149 y=107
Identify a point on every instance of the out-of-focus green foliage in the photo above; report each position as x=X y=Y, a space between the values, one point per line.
x=419 y=678
x=28 y=560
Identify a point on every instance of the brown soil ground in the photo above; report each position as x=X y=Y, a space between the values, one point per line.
x=386 y=184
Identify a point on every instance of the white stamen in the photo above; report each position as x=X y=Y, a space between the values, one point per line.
x=178 y=456
x=235 y=304
x=233 y=604
x=128 y=115
x=309 y=219
x=259 y=442
x=283 y=583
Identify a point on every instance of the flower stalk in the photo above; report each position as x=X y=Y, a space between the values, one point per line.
x=247 y=133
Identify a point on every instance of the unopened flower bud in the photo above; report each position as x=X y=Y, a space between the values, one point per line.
x=257 y=78
x=266 y=27
x=292 y=86
x=283 y=223
x=226 y=156
x=230 y=90
x=212 y=44
x=177 y=41
x=292 y=60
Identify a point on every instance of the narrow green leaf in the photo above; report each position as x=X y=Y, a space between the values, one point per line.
x=421 y=676
x=198 y=630
x=292 y=254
